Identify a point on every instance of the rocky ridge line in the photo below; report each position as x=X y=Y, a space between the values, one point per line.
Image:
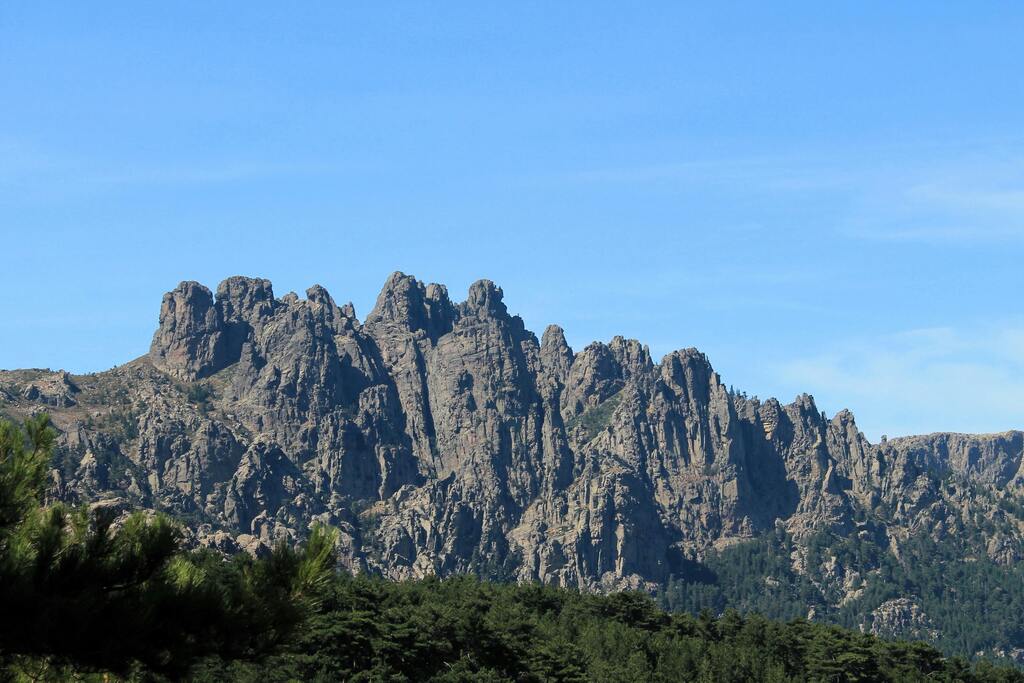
x=444 y=437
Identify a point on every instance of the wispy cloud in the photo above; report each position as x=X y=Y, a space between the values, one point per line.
x=23 y=167
x=937 y=379
x=199 y=174
x=678 y=170
x=970 y=198
x=786 y=173
x=969 y=210
x=939 y=234
x=888 y=194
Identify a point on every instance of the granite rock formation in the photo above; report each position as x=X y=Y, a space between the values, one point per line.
x=444 y=437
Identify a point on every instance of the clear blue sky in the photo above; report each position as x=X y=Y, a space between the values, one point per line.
x=823 y=197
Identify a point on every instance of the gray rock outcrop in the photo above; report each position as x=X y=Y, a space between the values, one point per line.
x=444 y=437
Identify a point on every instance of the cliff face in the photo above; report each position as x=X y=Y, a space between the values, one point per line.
x=444 y=437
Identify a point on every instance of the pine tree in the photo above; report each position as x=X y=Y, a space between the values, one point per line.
x=77 y=592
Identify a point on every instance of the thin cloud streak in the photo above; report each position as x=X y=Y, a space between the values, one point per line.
x=917 y=381
x=965 y=199
x=20 y=165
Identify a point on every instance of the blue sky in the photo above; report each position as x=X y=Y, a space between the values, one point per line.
x=823 y=199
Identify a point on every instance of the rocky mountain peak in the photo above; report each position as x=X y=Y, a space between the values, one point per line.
x=400 y=302
x=407 y=303
x=633 y=357
x=188 y=343
x=245 y=299
x=689 y=373
x=485 y=300
x=844 y=421
x=327 y=311
x=244 y=305
x=319 y=296
x=555 y=355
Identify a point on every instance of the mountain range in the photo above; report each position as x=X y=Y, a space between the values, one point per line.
x=443 y=437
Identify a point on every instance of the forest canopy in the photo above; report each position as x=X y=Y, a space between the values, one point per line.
x=85 y=595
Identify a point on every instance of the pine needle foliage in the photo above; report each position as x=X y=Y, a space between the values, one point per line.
x=465 y=629
x=81 y=593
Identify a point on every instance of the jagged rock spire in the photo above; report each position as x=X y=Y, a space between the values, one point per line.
x=406 y=302
x=188 y=342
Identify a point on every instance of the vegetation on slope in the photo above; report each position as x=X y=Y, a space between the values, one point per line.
x=78 y=595
x=464 y=629
x=972 y=604
x=82 y=598
x=597 y=418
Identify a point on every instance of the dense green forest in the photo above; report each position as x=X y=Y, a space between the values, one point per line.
x=86 y=597
x=465 y=629
x=973 y=604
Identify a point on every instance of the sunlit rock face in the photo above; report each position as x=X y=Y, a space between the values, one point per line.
x=443 y=436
